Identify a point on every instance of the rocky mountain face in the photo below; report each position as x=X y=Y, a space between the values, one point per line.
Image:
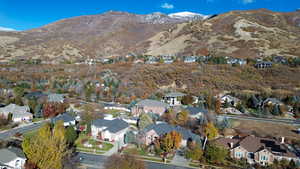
x=237 y=33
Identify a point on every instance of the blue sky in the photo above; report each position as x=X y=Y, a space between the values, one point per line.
x=27 y=14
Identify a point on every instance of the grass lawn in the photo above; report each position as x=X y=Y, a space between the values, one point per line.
x=37 y=119
x=30 y=133
x=94 y=143
x=115 y=113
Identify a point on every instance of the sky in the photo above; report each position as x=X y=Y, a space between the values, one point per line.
x=28 y=14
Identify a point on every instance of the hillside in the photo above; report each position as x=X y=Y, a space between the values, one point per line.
x=237 y=33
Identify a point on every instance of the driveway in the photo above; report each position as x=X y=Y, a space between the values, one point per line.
x=179 y=160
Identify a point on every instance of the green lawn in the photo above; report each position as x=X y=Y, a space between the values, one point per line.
x=94 y=143
x=30 y=133
x=37 y=119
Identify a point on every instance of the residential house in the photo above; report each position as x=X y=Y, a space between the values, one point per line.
x=56 y=98
x=257 y=150
x=12 y=158
x=147 y=106
x=236 y=61
x=279 y=59
x=263 y=64
x=233 y=101
x=190 y=59
x=155 y=131
x=196 y=112
x=173 y=98
x=151 y=60
x=109 y=129
x=67 y=118
x=19 y=113
x=231 y=110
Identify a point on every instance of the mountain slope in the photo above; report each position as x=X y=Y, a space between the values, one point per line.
x=237 y=33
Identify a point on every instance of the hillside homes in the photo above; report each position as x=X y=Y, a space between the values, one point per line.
x=19 y=113
x=173 y=98
x=147 y=106
x=154 y=131
x=109 y=129
x=257 y=150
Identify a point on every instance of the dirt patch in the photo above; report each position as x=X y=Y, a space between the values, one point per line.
x=265 y=129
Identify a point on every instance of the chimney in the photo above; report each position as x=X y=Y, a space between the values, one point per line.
x=231 y=144
x=282 y=140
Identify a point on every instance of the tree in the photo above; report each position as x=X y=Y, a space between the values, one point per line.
x=187 y=99
x=47 y=148
x=71 y=135
x=144 y=120
x=182 y=117
x=210 y=131
x=170 y=141
x=124 y=161
x=10 y=117
x=215 y=154
x=38 y=111
x=194 y=152
x=218 y=106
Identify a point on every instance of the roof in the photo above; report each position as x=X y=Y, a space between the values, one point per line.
x=35 y=95
x=15 y=109
x=66 y=117
x=152 y=103
x=196 y=110
x=112 y=126
x=55 y=97
x=175 y=94
x=164 y=128
x=256 y=144
x=9 y=154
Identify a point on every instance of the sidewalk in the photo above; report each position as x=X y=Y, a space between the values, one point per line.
x=180 y=161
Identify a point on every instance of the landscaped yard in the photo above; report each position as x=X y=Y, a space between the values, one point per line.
x=84 y=140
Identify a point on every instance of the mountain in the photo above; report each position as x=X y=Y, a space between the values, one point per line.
x=245 y=34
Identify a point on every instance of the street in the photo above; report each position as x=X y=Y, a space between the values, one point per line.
x=97 y=162
x=4 y=135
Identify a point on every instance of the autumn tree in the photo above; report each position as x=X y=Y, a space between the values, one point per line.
x=187 y=99
x=210 y=131
x=182 y=117
x=47 y=148
x=53 y=109
x=218 y=106
x=170 y=141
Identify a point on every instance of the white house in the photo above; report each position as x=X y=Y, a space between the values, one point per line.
x=229 y=99
x=12 y=158
x=109 y=129
x=174 y=98
x=19 y=113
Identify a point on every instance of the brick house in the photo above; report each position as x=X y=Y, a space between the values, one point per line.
x=257 y=150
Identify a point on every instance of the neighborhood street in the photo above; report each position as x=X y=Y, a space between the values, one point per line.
x=4 y=135
x=97 y=162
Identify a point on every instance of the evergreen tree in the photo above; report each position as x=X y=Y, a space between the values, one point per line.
x=71 y=135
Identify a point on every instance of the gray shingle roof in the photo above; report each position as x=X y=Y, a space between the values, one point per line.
x=9 y=154
x=55 y=97
x=66 y=117
x=164 y=128
x=153 y=103
x=112 y=126
x=196 y=110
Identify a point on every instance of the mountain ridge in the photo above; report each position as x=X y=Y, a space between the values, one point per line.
x=245 y=34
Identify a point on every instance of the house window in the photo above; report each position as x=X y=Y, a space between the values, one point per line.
x=264 y=158
x=238 y=154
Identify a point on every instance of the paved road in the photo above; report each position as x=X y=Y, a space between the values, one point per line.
x=4 y=135
x=97 y=162
x=284 y=121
